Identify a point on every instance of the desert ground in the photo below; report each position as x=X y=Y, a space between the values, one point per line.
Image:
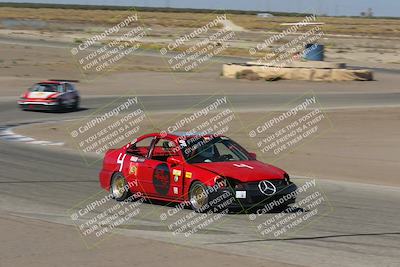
x=354 y=159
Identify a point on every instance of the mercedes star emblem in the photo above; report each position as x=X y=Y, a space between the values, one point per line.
x=267 y=188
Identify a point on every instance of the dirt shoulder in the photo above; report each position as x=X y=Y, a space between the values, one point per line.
x=21 y=66
x=60 y=245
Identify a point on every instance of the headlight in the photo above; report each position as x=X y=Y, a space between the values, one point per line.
x=220 y=181
x=287 y=178
x=228 y=183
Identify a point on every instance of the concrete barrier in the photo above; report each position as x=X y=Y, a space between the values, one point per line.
x=242 y=71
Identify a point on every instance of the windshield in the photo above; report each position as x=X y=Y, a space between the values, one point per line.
x=46 y=87
x=219 y=149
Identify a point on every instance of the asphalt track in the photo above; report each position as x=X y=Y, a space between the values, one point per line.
x=359 y=226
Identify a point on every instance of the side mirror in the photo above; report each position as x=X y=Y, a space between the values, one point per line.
x=174 y=160
x=252 y=155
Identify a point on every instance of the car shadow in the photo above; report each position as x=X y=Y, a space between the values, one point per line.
x=307 y=238
x=253 y=210
x=164 y=203
x=72 y=111
x=57 y=111
x=256 y=210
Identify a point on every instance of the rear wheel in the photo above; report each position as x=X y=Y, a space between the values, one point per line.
x=75 y=105
x=119 y=188
x=61 y=106
x=198 y=197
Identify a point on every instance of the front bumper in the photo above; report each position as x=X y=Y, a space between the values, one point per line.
x=36 y=105
x=284 y=195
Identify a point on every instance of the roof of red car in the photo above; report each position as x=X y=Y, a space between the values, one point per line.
x=51 y=82
x=187 y=135
x=59 y=81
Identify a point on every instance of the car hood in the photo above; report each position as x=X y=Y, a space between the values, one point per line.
x=244 y=171
x=40 y=95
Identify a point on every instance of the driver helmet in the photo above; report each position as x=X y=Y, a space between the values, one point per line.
x=207 y=152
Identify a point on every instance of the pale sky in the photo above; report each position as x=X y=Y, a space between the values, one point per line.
x=330 y=7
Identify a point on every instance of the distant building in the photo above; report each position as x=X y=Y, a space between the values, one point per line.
x=264 y=15
x=367 y=14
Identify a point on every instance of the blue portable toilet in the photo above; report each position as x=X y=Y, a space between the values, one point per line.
x=314 y=52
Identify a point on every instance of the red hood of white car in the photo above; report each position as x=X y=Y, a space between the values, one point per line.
x=40 y=95
x=245 y=171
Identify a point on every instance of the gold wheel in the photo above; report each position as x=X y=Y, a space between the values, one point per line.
x=118 y=188
x=198 y=197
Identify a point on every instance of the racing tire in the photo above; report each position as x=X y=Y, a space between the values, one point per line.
x=119 y=187
x=61 y=106
x=75 y=106
x=198 y=197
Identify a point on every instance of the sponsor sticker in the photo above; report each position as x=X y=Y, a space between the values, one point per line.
x=136 y=159
x=132 y=169
x=176 y=172
x=188 y=175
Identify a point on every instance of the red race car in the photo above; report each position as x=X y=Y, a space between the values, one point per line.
x=50 y=95
x=195 y=169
